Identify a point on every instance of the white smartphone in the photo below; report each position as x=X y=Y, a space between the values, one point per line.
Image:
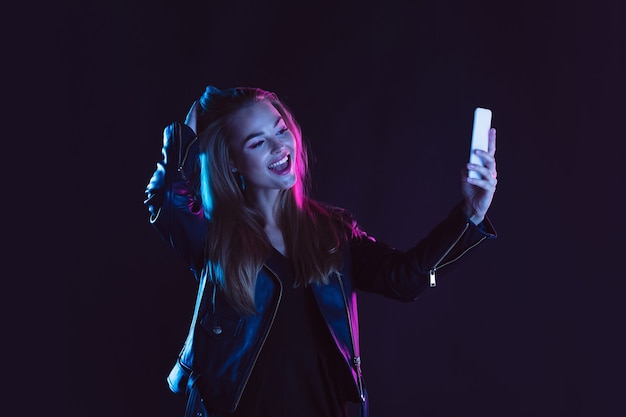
x=480 y=136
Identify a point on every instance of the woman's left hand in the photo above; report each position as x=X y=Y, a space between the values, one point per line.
x=478 y=192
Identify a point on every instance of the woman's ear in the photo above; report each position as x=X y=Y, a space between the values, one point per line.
x=233 y=168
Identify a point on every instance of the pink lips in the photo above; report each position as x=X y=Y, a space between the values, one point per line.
x=281 y=166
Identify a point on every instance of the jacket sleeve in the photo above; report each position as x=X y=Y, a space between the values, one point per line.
x=173 y=199
x=403 y=275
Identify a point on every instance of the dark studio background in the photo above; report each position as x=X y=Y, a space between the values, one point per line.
x=530 y=324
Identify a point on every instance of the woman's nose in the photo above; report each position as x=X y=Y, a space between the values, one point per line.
x=277 y=145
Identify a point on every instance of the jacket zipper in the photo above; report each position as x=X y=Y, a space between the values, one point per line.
x=256 y=357
x=356 y=360
x=433 y=271
x=182 y=157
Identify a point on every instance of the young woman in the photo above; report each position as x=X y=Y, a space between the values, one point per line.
x=275 y=328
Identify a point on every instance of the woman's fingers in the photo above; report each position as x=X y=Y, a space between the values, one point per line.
x=192 y=116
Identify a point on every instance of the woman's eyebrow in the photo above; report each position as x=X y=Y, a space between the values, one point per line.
x=255 y=134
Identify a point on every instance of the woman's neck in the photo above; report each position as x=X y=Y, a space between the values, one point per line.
x=266 y=203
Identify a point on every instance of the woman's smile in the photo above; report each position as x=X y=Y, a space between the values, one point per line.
x=281 y=166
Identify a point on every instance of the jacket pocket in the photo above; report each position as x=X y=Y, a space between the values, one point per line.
x=221 y=327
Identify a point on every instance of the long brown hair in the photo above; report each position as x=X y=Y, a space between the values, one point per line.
x=237 y=245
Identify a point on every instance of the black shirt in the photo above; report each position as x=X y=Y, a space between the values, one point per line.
x=299 y=369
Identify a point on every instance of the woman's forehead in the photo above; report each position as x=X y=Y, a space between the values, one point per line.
x=256 y=117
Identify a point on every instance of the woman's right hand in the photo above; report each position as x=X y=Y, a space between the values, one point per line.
x=192 y=116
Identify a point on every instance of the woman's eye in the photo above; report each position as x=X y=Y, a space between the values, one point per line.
x=283 y=130
x=257 y=144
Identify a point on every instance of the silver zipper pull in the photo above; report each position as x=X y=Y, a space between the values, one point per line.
x=356 y=362
x=433 y=282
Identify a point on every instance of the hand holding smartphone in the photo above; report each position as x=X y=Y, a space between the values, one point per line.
x=480 y=136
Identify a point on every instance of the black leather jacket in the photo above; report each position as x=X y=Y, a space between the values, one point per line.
x=222 y=346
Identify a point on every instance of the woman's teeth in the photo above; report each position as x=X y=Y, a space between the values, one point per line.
x=279 y=165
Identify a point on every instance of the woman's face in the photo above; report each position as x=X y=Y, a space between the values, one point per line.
x=262 y=149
